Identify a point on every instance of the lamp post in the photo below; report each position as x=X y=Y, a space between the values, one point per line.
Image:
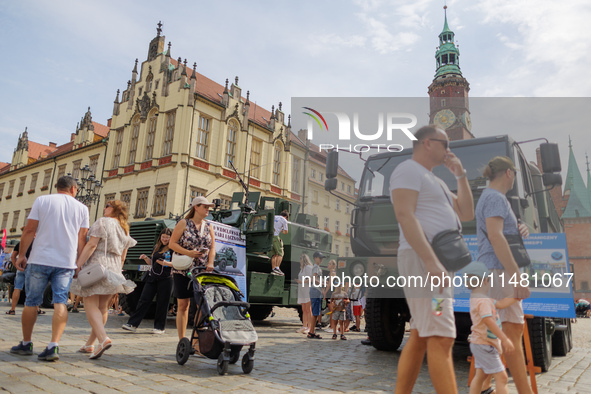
x=89 y=188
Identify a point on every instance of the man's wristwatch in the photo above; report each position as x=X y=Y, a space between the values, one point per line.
x=464 y=174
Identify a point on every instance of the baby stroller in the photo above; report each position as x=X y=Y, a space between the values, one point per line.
x=222 y=323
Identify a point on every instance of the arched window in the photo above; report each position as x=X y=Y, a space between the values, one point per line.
x=151 y=135
x=276 y=163
x=135 y=133
x=231 y=143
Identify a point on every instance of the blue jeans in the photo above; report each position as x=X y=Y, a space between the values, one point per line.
x=36 y=279
x=19 y=280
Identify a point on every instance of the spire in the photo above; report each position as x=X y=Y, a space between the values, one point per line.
x=184 y=72
x=135 y=67
x=159 y=29
x=193 y=76
x=168 y=52
x=117 y=97
x=579 y=204
x=447 y=56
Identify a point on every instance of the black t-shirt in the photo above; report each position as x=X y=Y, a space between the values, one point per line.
x=158 y=270
x=16 y=249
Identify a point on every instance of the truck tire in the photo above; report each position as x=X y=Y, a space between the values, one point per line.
x=541 y=343
x=260 y=312
x=127 y=304
x=386 y=319
x=560 y=340
x=47 y=297
x=222 y=265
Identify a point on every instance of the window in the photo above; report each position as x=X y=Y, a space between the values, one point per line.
x=93 y=165
x=10 y=188
x=326 y=222
x=21 y=186
x=15 y=219
x=196 y=192
x=327 y=200
x=27 y=212
x=34 y=181
x=169 y=133
x=337 y=225
x=276 y=164
x=110 y=197
x=47 y=178
x=584 y=285
x=348 y=229
x=336 y=248
x=342 y=186
x=1 y=190
x=160 y=200
x=142 y=203
x=149 y=83
x=61 y=171
x=139 y=93
x=295 y=176
x=5 y=219
x=226 y=201
x=202 y=138
x=231 y=148
x=346 y=251
x=347 y=208
x=118 y=144
x=315 y=196
x=126 y=198
x=313 y=173
x=135 y=133
x=255 y=158
x=151 y=137
x=76 y=169
x=321 y=175
x=349 y=189
x=337 y=204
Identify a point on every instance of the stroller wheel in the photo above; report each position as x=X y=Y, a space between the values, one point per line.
x=247 y=364
x=183 y=351
x=222 y=365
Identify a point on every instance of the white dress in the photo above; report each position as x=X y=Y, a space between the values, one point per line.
x=113 y=241
x=304 y=290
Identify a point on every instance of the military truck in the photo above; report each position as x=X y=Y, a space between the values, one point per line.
x=225 y=257
x=255 y=217
x=374 y=234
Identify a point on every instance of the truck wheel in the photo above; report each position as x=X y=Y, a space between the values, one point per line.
x=300 y=312
x=47 y=297
x=541 y=342
x=222 y=266
x=260 y=312
x=560 y=340
x=386 y=319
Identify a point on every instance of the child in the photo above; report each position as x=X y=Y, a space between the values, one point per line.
x=356 y=303
x=486 y=330
x=339 y=300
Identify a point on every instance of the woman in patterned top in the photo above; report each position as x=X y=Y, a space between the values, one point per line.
x=193 y=236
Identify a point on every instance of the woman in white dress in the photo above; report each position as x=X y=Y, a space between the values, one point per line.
x=108 y=244
x=304 y=291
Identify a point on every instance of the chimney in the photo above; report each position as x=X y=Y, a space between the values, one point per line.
x=109 y=122
x=53 y=144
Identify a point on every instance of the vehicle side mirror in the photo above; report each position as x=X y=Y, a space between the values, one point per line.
x=550 y=158
x=550 y=180
x=332 y=165
x=330 y=184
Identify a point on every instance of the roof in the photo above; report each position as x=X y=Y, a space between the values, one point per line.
x=214 y=91
x=62 y=149
x=579 y=204
x=37 y=150
x=100 y=129
x=4 y=167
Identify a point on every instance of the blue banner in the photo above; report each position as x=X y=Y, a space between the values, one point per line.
x=549 y=277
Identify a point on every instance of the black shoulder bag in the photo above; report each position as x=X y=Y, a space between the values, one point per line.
x=450 y=247
x=517 y=248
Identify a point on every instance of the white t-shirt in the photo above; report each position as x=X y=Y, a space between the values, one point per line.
x=60 y=218
x=280 y=224
x=434 y=210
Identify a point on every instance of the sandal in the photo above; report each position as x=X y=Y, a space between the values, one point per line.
x=86 y=349
x=343 y=338
x=40 y=312
x=101 y=349
x=489 y=390
x=10 y=312
x=334 y=336
x=314 y=336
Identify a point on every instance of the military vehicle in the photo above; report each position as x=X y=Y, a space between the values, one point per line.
x=374 y=234
x=224 y=257
x=254 y=216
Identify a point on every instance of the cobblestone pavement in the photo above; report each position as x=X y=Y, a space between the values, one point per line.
x=284 y=362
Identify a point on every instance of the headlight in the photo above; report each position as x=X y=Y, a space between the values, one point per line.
x=357 y=269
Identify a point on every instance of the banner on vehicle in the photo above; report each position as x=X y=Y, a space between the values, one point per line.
x=230 y=253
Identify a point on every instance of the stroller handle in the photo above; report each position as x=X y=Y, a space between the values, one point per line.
x=241 y=304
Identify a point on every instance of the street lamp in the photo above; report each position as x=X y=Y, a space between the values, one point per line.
x=89 y=188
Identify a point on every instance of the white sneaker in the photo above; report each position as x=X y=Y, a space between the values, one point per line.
x=129 y=327
x=157 y=331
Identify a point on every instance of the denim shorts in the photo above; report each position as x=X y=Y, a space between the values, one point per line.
x=19 y=280
x=37 y=278
x=316 y=306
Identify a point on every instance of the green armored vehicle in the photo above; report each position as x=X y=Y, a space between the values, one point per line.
x=374 y=235
x=225 y=257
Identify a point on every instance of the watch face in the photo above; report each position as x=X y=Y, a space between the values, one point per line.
x=467 y=121
x=444 y=118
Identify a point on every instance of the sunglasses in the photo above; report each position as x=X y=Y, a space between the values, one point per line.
x=444 y=142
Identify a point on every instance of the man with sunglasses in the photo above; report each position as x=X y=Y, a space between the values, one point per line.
x=424 y=206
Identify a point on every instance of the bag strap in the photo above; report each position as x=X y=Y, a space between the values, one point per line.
x=459 y=224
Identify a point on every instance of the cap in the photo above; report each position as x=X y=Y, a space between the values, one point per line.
x=319 y=254
x=501 y=164
x=475 y=268
x=201 y=200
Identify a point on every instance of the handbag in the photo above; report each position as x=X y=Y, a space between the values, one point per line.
x=517 y=249
x=91 y=274
x=181 y=262
x=450 y=247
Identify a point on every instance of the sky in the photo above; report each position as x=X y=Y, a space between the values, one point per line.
x=61 y=57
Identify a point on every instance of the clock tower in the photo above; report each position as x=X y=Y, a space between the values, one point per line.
x=448 y=93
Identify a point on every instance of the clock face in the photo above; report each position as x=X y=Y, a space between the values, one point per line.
x=467 y=121
x=444 y=118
